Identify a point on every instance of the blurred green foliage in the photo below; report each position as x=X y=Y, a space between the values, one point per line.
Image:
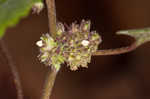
x=11 y=11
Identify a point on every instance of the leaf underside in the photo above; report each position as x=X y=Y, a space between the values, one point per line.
x=11 y=11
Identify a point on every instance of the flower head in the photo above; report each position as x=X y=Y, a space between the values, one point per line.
x=73 y=46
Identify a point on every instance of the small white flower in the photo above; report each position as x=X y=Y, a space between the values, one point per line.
x=39 y=43
x=85 y=42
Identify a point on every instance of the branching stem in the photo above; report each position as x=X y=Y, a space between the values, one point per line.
x=116 y=51
x=51 y=76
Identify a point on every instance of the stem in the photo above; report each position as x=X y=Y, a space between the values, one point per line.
x=116 y=51
x=51 y=17
x=51 y=76
x=13 y=68
x=50 y=80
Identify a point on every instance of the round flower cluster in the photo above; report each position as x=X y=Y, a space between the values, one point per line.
x=73 y=46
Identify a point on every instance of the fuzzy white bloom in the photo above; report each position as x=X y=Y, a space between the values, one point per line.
x=85 y=42
x=38 y=7
x=39 y=43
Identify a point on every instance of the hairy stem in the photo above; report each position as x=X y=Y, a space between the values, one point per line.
x=116 y=51
x=51 y=17
x=51 y=76
x=13 y=68
x=50 y=80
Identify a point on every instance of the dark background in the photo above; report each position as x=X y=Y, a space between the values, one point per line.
x=123 y=76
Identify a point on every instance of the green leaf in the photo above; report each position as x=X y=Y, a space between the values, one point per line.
x=11 y=11
x=141 y=35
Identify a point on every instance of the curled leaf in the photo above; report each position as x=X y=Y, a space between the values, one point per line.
x=140 y=35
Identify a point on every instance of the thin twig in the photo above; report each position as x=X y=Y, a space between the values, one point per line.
x=51 y=17
x=115 y=51
x=13 y=68
x=50 y=80
x=51 y=76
